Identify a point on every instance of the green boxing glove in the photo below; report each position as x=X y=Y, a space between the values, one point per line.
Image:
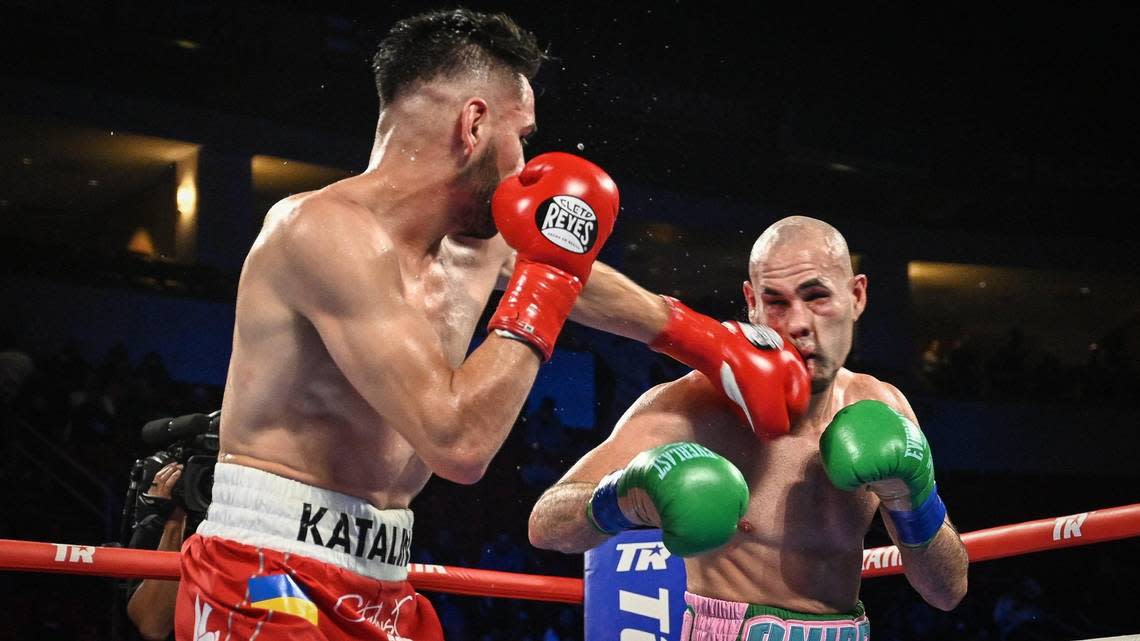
x=693 y=494
x=869 y=443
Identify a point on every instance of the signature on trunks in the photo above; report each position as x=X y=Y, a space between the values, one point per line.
x=386 y=616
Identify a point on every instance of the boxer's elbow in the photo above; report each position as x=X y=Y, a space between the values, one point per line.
x=945 y=603
x=544 y=538
x=948 y=598
x=455 y=453
x=958 y=594
x=541 y=540
x=464 y=461
x=449 y=464
x=557 y=521
x=461 y=467
x=537 y=529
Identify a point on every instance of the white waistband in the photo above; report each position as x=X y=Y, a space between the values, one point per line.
x=265 y=510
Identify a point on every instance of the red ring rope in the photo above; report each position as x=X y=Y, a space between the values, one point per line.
x=1008 y=540
x=149 y=564
x=1085 y=528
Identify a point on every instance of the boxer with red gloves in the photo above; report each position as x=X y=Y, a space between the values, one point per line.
x=350 y=383
x=772 y=529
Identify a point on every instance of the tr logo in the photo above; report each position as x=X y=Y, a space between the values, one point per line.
x=1068 y=527
x=74 y=553
x=647 y=556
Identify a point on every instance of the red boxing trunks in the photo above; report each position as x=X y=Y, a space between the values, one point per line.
x=278 y=559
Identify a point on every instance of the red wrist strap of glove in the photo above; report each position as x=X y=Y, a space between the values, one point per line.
x=535 y=305
x=692 y=338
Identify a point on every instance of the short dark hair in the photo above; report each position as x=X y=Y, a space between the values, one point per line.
x=445 y=42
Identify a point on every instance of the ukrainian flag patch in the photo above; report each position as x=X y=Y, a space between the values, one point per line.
x=280 y=593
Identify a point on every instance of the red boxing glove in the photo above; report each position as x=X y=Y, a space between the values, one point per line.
x=761 y=373
x=556 y=214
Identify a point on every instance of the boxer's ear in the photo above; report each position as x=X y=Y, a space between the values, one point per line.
x=750 y=299
x=859 y=293
x=472 y=125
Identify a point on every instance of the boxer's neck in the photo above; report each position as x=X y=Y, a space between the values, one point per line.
x=825 y=404
x=413 y=185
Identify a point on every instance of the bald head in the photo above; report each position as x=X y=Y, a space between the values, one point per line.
x=801 y=284
x=802 y=235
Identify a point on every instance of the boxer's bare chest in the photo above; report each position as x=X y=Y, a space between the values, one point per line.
x=791 y=495
x=799 y=543
x=790 y=492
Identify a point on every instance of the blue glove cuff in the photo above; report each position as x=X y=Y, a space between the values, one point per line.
x=604 y=511
x=916 y=528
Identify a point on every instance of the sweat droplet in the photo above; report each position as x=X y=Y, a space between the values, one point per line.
x=581 y=147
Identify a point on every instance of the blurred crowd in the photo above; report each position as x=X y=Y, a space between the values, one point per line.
x=1018 y=368
x=74 y=423
x=70 y=433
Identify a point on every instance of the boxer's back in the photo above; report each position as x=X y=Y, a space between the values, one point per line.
x=288 y=409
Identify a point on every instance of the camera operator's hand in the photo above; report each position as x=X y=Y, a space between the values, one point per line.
x=163 y=485
x=162 y=489
x=151 y=606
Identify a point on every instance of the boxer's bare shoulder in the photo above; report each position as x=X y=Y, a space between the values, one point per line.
x=321 y=238
x=686 y=409
x=329 y=253
x=852 y=387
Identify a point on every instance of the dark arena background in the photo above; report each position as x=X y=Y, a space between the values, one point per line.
x=982 y=163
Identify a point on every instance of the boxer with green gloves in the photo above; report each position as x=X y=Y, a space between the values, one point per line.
x=792 y=565
x=693 y=494
x=869 y=443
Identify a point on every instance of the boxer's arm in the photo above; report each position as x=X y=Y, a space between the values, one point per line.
x=768 y=383
x=937 y=571
x=612 y=303
x=664 y=414
x=342 y=276
x=558 y=521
